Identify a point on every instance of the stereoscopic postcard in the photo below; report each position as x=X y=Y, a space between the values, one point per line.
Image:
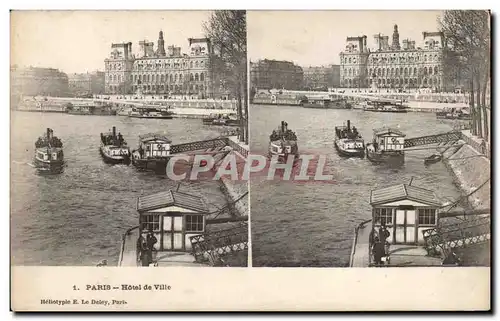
x=232 y=160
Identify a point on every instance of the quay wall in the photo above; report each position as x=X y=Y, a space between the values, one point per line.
x=470 y=169
x=198 y=112
x=235 y=189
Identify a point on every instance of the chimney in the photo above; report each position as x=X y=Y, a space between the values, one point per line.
x=125 y=50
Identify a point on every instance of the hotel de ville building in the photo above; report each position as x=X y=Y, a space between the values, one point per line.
x=163 y=71
x=392 y=65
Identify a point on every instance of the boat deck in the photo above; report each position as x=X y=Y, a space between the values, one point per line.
x=400 y=254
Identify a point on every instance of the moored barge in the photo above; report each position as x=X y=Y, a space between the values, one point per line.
x=152 y=153
x=221 y=120
x=151 y=113
x=387 y=146
x=454 y=113
x=327 y=103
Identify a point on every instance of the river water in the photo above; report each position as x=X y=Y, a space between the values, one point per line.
x=312 y=223
x=79 y=216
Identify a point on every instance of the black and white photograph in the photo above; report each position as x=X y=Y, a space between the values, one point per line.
x=119 y=121
x=290 y=154
x=389 y=112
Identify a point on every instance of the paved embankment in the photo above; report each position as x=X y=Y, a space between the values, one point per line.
x=198 y=112
x=471 y=170
x=237 y=190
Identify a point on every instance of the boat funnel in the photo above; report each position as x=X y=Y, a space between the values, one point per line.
x=348 y=125
x=282 y=126
x=49 y=132
x=114 y=131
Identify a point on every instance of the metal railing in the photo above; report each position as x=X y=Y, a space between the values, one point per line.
x=210 y=246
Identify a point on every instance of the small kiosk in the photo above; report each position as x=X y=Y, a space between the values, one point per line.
x=173 y=217
x=406 y=211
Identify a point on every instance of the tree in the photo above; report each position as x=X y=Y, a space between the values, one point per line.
x=228 y=33
x=468 y=36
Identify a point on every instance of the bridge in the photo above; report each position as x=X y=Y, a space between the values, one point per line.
x=448 y=137
x=210 y=145
x=213 y=247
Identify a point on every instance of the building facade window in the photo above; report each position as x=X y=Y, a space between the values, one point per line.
x=383 y=215
x=150 y=222
x=426 y=217
x=194 y=223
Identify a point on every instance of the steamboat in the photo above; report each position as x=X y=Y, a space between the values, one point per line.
x=95 y=108
x=348 y=142
x=327 y=103
x=387 y=146
x=221 y=120
x=454 y=113
x=153 y=152
x=114 y=149
x=49 y=156
x=385 y=106
x=283 y=143
x=151 y=113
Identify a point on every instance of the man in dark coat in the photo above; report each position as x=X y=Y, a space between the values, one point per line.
x=378 y=251
x=150 y=242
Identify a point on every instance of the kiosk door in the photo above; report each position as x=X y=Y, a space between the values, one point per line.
x=405 y=227
x=400 y=227
x=178 y=233
x=173 y=234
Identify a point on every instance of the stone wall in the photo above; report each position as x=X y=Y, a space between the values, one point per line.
x=234 y=189
x=470 y=170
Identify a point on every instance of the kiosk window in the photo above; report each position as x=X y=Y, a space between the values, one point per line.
x=150 y=222
x=427 y=217
x=194 y=223
x=383 y=215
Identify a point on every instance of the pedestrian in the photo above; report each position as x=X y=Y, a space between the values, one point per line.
x=143 y=252
x=383 y=233
x=378 y=251
x=151 y=240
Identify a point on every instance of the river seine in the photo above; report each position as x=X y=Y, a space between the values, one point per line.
x=79 y=216
x=312 y=223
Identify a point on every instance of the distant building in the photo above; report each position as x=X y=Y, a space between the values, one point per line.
x=38 y=81
x=161 y=71
x=86 y=83
x=321 y=77
x=393 y=66
x=269 y=74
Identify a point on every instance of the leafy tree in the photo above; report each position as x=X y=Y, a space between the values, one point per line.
x=227 y=31
x=468 y=38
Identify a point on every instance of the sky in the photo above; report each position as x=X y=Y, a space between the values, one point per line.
x=79 y=41
x=313 y=38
